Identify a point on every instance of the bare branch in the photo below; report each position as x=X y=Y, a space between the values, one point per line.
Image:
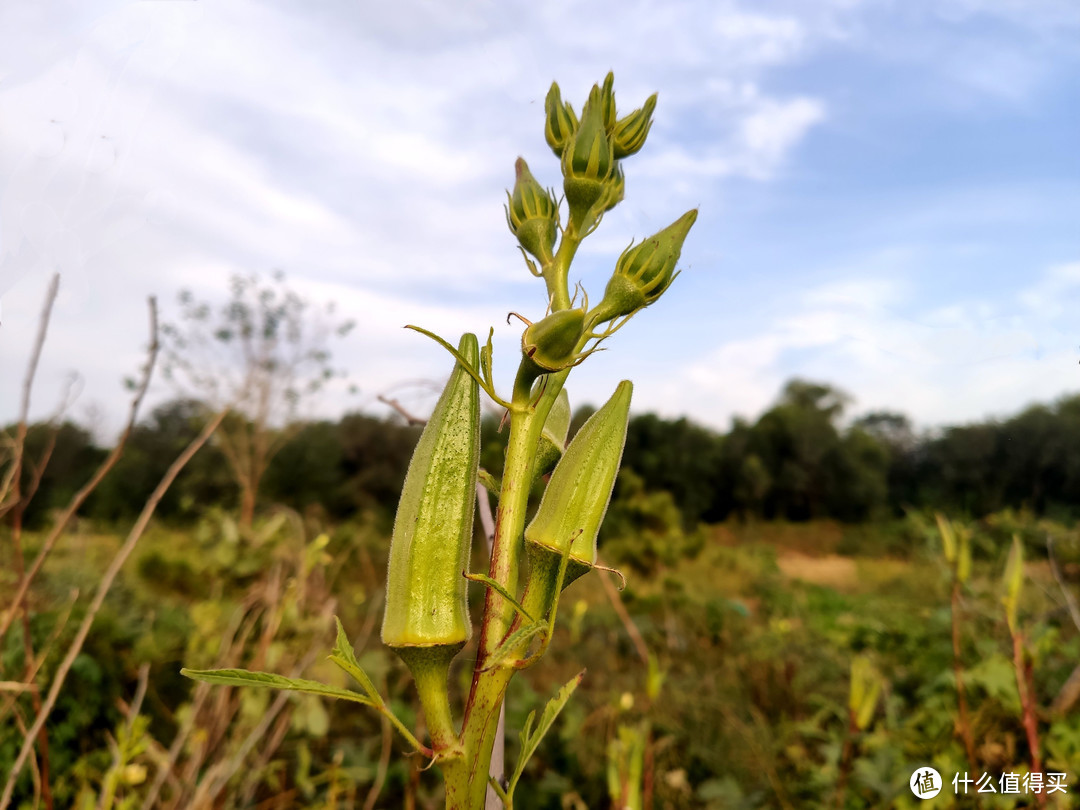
x=80 y=497
x=397 y=406
x=15 y=471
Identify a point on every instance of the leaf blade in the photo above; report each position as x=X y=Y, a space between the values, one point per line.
x=269 y=680
x=532 y=736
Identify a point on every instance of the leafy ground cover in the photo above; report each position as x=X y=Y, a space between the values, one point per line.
x=751 y=631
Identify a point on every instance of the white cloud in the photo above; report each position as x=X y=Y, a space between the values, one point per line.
x=773 y=129
x=963 y=361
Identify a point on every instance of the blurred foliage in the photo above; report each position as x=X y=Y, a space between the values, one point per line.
x=763 y=565
x=800 y=460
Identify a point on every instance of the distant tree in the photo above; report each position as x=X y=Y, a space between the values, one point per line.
x=263 y=353
x=890 y=428
x=680 y=457
x=150 y=449
x=752 y=485
x=798 y=441
x=376 y=454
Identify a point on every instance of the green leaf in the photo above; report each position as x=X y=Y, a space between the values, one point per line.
x=268 y=680
x=531 y=738
x=344 y=656
x=505 y=594
x=507 y=649
x=485 y=359
x=948 y=537
x=490 y=482
x=488 y=388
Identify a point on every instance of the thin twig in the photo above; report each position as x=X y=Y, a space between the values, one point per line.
x=28 y=384
x=222 y=772
x=18 y=504
x=31 y=676
x=80 y=497
x=628 y=623
x=202 y=691
x=99 y=598
x=383 y=766
x=397 y=406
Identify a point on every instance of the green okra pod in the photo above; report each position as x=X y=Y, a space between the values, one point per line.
x=426 y=598
x=577 y=496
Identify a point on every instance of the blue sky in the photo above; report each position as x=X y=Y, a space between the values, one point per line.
x=889 y=191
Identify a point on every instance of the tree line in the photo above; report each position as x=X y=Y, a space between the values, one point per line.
x=800 y=459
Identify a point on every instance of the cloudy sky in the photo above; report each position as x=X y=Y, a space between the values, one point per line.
x=889 y=191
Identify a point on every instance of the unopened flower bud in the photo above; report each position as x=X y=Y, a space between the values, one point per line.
x=550 y=342
x=630 y=132
x=644 y=271
x=560 y=123
x=587 y=161
x=532 y=214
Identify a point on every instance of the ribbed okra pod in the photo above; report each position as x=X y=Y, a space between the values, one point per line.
x=427 y=614
x=576 y=499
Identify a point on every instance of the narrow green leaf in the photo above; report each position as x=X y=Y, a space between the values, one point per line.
x=490 y=482
x=488 y=388
x=268 y=680
x=531 y=741
x=509 y=647
x=948 y=537
x=344 y=656
x=526 y=732
x=505 y=594
x=485 y=360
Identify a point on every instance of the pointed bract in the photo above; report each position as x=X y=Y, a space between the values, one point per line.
x=643 y=272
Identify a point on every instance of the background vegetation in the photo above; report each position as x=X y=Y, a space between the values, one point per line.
x=802 y=625
x=761 y=563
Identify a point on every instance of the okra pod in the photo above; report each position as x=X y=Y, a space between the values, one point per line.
x=577 y=496
x=426 y=597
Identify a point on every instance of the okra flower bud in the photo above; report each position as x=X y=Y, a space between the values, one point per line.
x=630 y=132
x=426 y=598
x=560 y=122
x=587 y=161
x=577 y=496
x=643 y=272
x=549 y=343
x=532 y=214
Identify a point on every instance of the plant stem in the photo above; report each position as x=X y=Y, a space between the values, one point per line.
x=958 y=674
x=557 y=272
x=847 y=757
x=489 y=687
x=1022 y=668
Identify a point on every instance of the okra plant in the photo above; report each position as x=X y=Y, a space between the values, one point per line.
x=427 y=619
